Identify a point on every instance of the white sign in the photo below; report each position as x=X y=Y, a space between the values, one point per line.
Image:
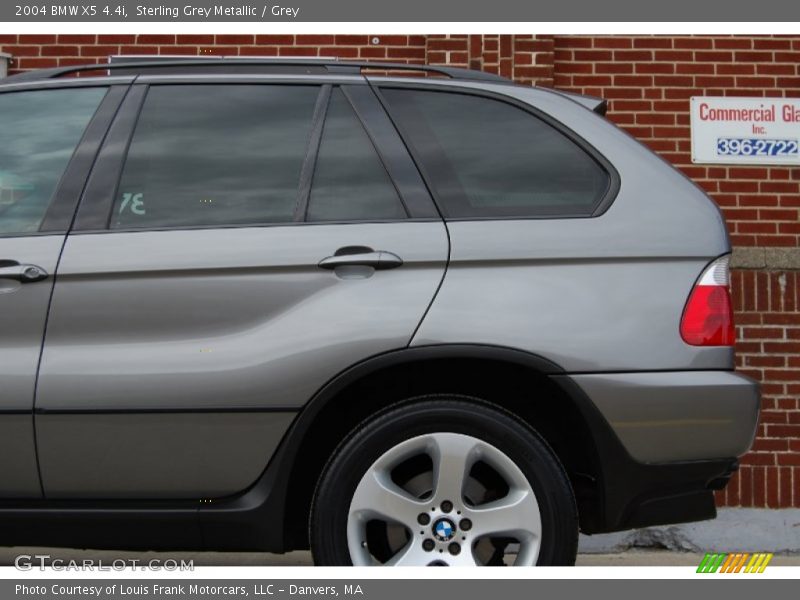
x=750 y=131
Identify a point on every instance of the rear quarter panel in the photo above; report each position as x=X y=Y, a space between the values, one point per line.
x=604 y=293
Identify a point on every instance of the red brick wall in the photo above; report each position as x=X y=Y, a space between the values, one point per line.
x=526 y=58
x=767 y=304
x=648 y=81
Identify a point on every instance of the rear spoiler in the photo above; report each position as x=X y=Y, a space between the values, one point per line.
x=593 y=103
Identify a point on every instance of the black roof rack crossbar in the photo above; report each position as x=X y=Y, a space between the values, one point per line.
x=332 y=66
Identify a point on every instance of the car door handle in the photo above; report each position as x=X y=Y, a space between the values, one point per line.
x=23 y=273
x=377 y=259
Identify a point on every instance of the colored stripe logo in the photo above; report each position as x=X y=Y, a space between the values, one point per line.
x=739 y=562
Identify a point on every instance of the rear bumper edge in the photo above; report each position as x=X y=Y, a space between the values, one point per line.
x=673 y=487
x=677 y=415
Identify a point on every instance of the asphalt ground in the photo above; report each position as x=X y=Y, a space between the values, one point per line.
x=630 y=558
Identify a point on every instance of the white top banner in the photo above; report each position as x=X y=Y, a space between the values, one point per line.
x=752 y=131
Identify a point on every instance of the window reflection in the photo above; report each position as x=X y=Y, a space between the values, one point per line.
x=488 y=158
x=216 y=154
x=350 y=182
x=39 y=131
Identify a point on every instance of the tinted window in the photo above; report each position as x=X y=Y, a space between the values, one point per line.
x=216 y=155
x=487 y=158
x=350 y=182
x=39 y=132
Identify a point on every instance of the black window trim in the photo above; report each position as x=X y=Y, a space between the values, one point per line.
x=392 y=152
x=358 y=107
x=309 y=165
x=599 y=208
x=358 y=111
x=60 y=213
x=97 y=203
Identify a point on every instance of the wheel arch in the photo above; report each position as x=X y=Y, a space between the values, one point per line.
x=516 y=381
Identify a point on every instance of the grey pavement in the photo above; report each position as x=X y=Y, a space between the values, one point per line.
x=629 y=558
x=734 y=530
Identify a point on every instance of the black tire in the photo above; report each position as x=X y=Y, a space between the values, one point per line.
x=454 y=414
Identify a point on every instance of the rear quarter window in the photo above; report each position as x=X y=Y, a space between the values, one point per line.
x=486 y=158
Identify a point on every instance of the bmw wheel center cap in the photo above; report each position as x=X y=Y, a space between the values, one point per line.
x=444 y=530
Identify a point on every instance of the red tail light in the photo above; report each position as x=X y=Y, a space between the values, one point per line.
x=708 y=316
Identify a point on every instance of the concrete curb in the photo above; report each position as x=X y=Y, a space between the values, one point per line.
x=734 y=530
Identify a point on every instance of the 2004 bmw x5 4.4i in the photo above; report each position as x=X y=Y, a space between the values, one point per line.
x=399 y=320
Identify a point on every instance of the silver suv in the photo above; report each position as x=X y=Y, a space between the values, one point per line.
x=281 y=304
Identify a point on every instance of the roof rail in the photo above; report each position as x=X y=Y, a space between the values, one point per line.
x=239 y=64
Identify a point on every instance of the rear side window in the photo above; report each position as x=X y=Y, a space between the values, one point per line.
x=487 y=158
x=39 y=131
x=350 y=182
x=205 y=155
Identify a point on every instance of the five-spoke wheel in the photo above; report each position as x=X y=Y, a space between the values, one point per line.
x=446 y=523
x=444 y=482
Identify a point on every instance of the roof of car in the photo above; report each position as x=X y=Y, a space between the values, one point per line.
x=132 y=66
